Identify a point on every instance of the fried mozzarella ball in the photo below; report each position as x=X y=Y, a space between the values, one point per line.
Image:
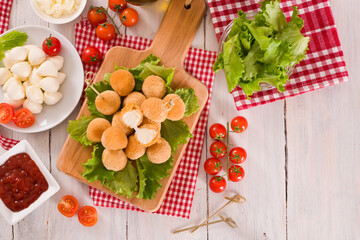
x=117 y=122
x=134 y=149
x=114 y=139
x=159 y=152
x=154 y=86
x=135 y=98
x=108 y=102
x=131 y=115
x=122 y=81
x=148 y=121
x=154 y=109
x=147 y=135
x=114 y=160
x=176 y=106
x=96 y=128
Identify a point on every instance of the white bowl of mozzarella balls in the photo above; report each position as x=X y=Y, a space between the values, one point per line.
x=30 y=78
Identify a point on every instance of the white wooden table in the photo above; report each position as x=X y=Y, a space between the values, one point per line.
x=302 y=174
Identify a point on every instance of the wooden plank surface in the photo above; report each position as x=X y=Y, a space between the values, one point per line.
x=310 y=191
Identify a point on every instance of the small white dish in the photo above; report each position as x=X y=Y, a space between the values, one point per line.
x=71 y=88
x=54 y=20
x=24 y=147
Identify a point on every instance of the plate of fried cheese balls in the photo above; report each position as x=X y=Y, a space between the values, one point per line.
x=135 y=126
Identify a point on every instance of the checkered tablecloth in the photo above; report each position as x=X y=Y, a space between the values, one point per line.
x=324 y=64
x=5 y=9
x=198 y=62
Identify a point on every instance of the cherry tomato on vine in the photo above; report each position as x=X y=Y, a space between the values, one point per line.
x=96 y=16
x=239 y=124
x=23 y=118
x=217 y=131
x=91 y=55
x=218 y=149
x=117 y=5
x=236 y=173
x=238 y=155
x=105 y=31
x=51 y=46
x=68 y=206
x=212 y=166
x=6 y=113
x=129 y=17
x=88 y=216
x=217 y=184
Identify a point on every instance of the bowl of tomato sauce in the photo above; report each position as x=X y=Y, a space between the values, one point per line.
x=25 y=182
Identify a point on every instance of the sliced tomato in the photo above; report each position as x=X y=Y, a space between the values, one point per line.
x=87 y=216
x=23 y=118
x=6 y=113
x=68 y=206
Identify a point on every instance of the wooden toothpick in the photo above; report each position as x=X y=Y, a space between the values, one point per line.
x=89 y=78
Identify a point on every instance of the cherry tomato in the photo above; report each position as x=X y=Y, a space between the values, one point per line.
x=51 y=46
x=105 y=31
x=96 y=16
x=236 y=173
x=212 y=166
x=218 y=149
x=117 y=5
x=91 y=55
x=217 y=184
x=217 y=131
x=87 y=216
x=6 y=113
x=68 y=206
x=238 y=155
x=129 y=17
x=23 y=118
x=239 y=124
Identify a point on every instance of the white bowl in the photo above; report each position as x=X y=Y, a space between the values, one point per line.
x=24 y=147
x=71 y=88
x=61 y=20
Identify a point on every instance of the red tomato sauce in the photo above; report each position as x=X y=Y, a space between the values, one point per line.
x=21 y=182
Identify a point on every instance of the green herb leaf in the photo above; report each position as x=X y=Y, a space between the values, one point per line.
x=175 y=133
x=11 y=40
x=190 y=100
x=77 y=130
x=91 y=96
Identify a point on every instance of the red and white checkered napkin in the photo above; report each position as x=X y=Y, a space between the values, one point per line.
x=324 y=64
x=5 y=8
x=198 y=62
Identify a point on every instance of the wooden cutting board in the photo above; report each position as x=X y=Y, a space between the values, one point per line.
x=171 y=44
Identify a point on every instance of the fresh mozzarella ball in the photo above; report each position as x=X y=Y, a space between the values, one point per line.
x=61 y=77
x=13 y=103
x=16 y=91
x=32 y=106
x=58 y=60
x=21 y=69
x=29 y=47
x=4 y=75
x=8 y=82
x=51 y=98
x=34 y=77
x=35 y=94
x=26 y=85
x=19 y=53
x=36 y=56
x=49 y=84
x=48 y=69
x=9 y=61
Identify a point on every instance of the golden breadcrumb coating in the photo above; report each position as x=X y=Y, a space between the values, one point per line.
x=114 y=139
x=154 y=109
x=135 y=98
x=154 y=86
x=108 y=102
x=176 y=106
x=114 y=160
x=159 y=152
x=134 y=149
x=122 y=81
x=117 y=122
x=148 y=121
x=96 y=128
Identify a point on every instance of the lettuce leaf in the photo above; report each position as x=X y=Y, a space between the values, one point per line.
x=91 y=96
x=190 y=100
x=175 y=133
x=77 y=130
x=11 y=40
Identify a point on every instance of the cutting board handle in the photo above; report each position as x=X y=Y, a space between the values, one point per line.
x=178 y=28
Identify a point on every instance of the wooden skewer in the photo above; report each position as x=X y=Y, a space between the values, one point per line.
x=235 y=198
x=187 y=3
x=89 y=78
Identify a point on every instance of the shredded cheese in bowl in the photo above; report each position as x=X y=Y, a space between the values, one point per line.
x=58 y=8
